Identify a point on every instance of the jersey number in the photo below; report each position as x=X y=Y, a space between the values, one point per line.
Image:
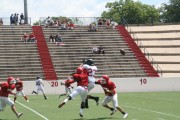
x=91 y=72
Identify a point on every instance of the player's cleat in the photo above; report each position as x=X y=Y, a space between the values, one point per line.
x=63 y=103
x=19 y=115
x=113 y=111
x=27 y=100
x=97 y=101
x=80 y=115
x=125 y=115
x=33 y=92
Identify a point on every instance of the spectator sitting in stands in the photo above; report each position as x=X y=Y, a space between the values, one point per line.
x=101 y=50
x=1 y=22
x=122 y=51
x=70 y=26
x=100 y=22
x=113 y=25
x=92 y=28
x=55 y=24
x=49 y=22
x=58 y=39
x=104 y=21
x=59 y=23
x=64 y=26
x=108 y=24
x=51 y=38
x=31 y=37
x=25 y=38
x=95 y=49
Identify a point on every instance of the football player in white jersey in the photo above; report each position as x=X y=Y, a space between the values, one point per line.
x=40 y=87
x=89 y=67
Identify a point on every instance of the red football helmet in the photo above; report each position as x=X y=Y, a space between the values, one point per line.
x=11 y=80
x=79 y=70
x=106 y=77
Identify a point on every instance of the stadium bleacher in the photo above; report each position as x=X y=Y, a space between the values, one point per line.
x=22 y=60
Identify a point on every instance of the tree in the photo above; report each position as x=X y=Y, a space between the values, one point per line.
x=133 y=12
x=170 y=12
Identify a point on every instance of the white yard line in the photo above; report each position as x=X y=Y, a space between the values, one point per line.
x=32 y=110
x=153 y=111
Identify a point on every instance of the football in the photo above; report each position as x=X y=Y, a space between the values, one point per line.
x=122 y=51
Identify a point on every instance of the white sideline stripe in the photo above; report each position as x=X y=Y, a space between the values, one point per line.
x=32 y=110
x=152 y=111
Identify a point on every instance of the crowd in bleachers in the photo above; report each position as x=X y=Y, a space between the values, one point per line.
x=93 y=27
x=62 y=24
x=107 y=22
x=67 y=24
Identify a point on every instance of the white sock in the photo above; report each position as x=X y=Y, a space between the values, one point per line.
x=81 y=111
x=65 y=100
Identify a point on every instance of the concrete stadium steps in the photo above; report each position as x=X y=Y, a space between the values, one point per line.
x=17 y=58
x=78 y=45
x=144 y=62
x=163 y=44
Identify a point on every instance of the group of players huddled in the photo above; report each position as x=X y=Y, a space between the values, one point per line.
x=85 y=79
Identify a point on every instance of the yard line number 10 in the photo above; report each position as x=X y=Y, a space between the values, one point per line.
x=143 y=81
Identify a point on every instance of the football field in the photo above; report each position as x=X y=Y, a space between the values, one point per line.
x=140 y=106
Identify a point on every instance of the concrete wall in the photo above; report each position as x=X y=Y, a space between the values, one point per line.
x=122 y=84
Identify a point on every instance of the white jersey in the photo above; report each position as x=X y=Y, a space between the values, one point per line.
x=39 y=86
x=39 y=83
x=91 y=72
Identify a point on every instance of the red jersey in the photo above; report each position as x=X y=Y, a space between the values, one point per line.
x=110 y=86
x=31 y=36
x=71 y=25
x=19 y=86
x=85 y=71
x=25 y=36
x=81 y=79
x=68 y=83
x=6 y=89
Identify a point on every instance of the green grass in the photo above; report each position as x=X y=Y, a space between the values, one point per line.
x=140 y=106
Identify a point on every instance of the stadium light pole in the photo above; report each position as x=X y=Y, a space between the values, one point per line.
x=25 y=12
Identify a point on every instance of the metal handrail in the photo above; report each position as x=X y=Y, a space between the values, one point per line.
x=144 y=50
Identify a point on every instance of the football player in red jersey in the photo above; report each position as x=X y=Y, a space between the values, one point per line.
x=68 y=87
x=6 y=89
x=19 y=89
x=111 y=95
x=81 y=89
